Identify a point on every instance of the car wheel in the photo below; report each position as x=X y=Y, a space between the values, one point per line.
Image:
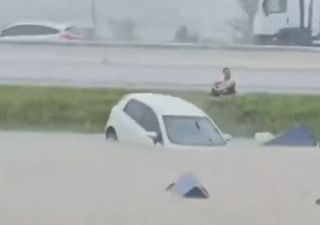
x=111 y=135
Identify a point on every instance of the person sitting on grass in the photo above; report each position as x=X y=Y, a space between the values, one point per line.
x=225 y=87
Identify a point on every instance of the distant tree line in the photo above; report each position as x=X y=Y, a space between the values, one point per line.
x=125 y=29
x=183 y=34
x=243 y=26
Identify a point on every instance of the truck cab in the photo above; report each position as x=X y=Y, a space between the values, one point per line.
x=287 y=22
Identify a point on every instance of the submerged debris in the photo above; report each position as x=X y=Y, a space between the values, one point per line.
x=187 y=186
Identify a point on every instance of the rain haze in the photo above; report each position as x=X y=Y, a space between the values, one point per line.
x=155 y=20
x=159 y=112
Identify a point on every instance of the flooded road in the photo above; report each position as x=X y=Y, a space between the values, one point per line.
x=72 y=179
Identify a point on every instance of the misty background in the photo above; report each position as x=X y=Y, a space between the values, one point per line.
x=152 y=20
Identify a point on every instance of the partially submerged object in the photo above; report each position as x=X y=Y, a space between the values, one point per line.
x=297 y=137
x=162 y=120
x=263 y=137
x=187 y=186
x=227 y=137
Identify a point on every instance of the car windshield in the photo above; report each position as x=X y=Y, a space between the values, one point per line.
x=275 y=6
x=193 y=131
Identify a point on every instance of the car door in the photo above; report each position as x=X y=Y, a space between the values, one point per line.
x=138 y=121
x=129 y=128
x=150 y=123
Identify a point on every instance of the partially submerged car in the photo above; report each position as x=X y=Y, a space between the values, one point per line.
x=155 y=119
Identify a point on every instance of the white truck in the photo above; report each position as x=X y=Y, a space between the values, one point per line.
x=287 y=22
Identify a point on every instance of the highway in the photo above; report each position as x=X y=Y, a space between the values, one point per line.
x=254 y=71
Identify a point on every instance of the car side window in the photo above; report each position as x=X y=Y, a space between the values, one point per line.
x=13 y=31
x=150 y=120
x=144 y=116
x=42 y=30
x=29 y=30
x=135 y=111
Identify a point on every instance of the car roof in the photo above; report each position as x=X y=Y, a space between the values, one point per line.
x=58 y=26
x=167 y=105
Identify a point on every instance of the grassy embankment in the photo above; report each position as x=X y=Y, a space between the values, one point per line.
x=86 y=110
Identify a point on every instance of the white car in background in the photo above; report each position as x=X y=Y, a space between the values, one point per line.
x=155 y=119
x=41 y=31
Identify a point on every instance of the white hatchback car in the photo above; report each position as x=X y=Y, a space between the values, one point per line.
x=38 y=31
x=155 y=119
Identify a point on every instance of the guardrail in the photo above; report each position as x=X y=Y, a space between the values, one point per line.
x=166 y=46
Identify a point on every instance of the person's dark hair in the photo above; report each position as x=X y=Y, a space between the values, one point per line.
x=225 y=69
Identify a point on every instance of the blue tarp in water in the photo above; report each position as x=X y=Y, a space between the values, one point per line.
x=297 y=137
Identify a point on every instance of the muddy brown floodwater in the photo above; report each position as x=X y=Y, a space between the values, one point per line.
x=74 y=179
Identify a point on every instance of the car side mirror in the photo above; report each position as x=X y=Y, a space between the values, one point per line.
x=227 y=137
x=152 y=135
x=263 y=137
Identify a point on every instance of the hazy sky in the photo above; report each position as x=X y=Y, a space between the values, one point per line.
x=164 y=16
